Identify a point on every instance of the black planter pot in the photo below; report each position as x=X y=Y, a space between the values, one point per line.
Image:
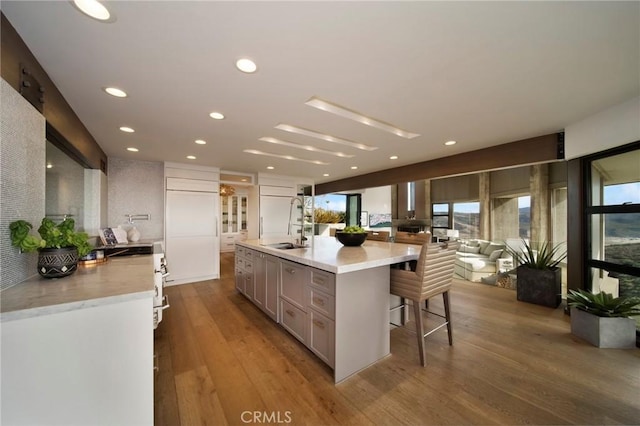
x=539 y=286
x=57 y=262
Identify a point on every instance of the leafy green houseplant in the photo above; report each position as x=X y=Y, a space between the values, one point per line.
x=603 y=320
x=59 y=245
x=539 y=278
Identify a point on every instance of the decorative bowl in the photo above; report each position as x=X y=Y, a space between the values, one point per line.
x=351 y=238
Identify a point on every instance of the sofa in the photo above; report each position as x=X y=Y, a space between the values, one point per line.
x=476 y=259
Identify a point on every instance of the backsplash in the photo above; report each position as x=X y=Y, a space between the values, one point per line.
x=22 y=177
x=136 y=187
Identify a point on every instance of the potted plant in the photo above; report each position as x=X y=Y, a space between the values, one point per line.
x=602 y=320
x=539 y=278
x=59 y=246
x=351 y=235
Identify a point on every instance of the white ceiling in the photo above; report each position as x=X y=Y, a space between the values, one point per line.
x=481 y=73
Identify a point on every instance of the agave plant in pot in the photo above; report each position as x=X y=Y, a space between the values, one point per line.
x=539 y=278
x=603 y=320
x=59 y=246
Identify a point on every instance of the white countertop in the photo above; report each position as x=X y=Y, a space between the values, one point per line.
x=330 y=255
x=117 y=280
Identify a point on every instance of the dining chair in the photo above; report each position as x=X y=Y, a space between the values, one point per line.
x=378 y=235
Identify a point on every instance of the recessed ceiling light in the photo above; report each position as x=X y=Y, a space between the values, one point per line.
x=354 y=167
x=325 y=174
x=356 y=116
x=393 y=157
x=114 y=91
x=127 y=129
x=286 y=157
x=191 y=157
x=449 y=143
x=132 y=149
x=94 y=9
x=49 y=166
x=246 y=65
x=305 y=147
x=201 y=142
x=270 y=167
x=327 y=138
x=216 y=115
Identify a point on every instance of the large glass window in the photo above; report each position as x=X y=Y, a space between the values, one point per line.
x=613 y=218
x=466 y=219
x=440 y=220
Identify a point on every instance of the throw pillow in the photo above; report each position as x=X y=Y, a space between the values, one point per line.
x=491 y=248
x=495 y=255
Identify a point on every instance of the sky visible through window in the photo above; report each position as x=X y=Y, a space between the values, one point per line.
x=613 y=194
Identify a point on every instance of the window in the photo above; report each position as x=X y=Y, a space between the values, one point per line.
x=466 y=219
x=613 y=221
x=440 y=220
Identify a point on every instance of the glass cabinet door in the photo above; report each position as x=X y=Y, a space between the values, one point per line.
x=225 y=214
x=234 y=213
x=243 y=214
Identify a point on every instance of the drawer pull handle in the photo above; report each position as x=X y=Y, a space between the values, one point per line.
x=291 y=271
x=290 y=313
x=318 y=301
x=318 y=324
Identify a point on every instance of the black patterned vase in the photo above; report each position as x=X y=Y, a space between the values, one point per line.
x=57 y=262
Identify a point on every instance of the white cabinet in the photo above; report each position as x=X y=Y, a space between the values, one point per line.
x=192 y=234
x=87 y=366
x=265 y=280
x=244 y=272
x=233 y=216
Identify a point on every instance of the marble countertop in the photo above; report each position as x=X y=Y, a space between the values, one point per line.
x=326 y=253
x=117 y=280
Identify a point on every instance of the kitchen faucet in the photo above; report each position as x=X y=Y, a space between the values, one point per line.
x=300 y=199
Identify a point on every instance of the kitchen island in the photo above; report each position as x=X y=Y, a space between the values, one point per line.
x=333 y=298
x=79 y=349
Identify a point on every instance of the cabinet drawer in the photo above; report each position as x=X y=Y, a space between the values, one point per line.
x=225 y=238
x=321 y=337
x=248 y=266
x=239 y=263
x=294 y=320
x=323 y=280
x=249 y=254
x=321 y=302
x=292 y=283
x=239 y=251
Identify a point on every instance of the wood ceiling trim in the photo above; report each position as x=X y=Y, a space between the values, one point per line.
x=540 y=149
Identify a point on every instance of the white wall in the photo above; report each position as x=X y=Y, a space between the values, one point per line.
x=606 y=129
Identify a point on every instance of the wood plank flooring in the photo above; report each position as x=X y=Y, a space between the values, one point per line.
x=222 y=361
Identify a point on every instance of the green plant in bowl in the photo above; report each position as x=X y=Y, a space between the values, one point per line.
x=353 y=229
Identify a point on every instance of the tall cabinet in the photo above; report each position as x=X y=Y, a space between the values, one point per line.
x=233 y=217
x=192 y=233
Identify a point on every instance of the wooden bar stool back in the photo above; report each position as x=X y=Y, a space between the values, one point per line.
x=378 y=235
x=433 y=276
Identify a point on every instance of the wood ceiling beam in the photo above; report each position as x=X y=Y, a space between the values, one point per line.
x=540 y=149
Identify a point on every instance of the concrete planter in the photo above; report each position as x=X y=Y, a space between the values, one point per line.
x=603 y=332
x=539 y=286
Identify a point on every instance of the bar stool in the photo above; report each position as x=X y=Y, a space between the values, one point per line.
x=433 y=276
x=378 y=235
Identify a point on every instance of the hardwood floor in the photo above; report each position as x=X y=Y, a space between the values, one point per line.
x=222 y=361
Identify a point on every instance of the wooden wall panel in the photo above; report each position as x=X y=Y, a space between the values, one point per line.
x=540 y=149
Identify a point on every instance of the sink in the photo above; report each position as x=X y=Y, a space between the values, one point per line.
x=285 y=246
